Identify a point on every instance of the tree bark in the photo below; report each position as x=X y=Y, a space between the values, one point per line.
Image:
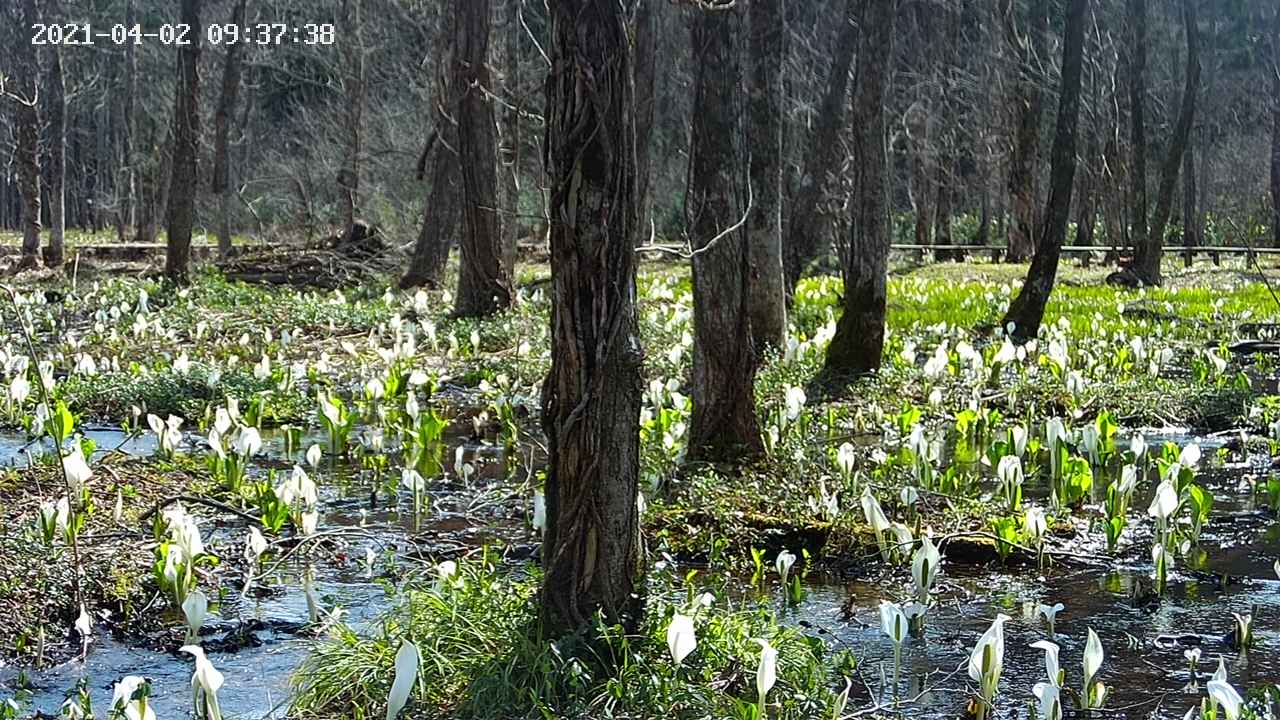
x=1027 y=104
x=1146 y=263
x=353 y=116
x=53 y=253
x=858 y=344
x=186 y=150
x=1026 y=312
x=1275 y=128
x=810 y=224
x=126 y=185
x=766 y=290
x=509 y=128
x=592 y=557
x=943 y=222
x=645 y=70
x=920 y=187
x=222 y=132
x=1086 y=205
x=723 y=426
x=1137 y=123
x=485 y=283
x=1191 y=218
x=442 y=211
x=27 y=107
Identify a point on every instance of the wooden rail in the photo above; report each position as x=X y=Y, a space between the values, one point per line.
x=1168 y=250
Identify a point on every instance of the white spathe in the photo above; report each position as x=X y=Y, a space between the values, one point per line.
x=681 y=638
x=407 y=661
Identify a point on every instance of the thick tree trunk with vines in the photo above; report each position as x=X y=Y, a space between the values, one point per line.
x=442 y=211
x=767 y=292
x=222 y=132
x=27 y=111
x=186 y=151
x=1146 y=263
x=592 y=558
x=1028 y=46
x=1026 y=312
x=723 y=426
x=485 y=283
x=858 y=345
x=809 y=228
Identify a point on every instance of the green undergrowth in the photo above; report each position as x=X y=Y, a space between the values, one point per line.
x=481 y=657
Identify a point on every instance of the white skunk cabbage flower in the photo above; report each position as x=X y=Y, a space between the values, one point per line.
x=407 y=661
x=766 y=671
x=206 y=681
x=681 y=639
x=783 y=565
x=1221 y=692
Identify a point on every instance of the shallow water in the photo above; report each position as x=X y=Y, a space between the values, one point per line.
x=1143 y=678
x=1146 y=680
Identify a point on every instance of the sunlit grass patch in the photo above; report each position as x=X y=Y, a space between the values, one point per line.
x=481 y=657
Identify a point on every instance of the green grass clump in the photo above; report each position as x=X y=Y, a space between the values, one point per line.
x=481 y=657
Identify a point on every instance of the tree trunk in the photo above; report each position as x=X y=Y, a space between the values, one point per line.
x=810 y=224
x=1027 y=104
x=128 y=177
x=353 y=116
x=920 y=188
x=766 y=294
x=858 y=344
x=442 y=210
x=724 y=425
x=1191 y=227
x=27 y=104
x=592 y=557
x=942 y=231
x=509 y=148
x=53 y=253
x=1026 y=312
x=222 y=132
x=1137 y=124
x=1146 y=263
x=1085 y=205
x=646 y=65
x=485 y=284
x=1275 y=129
x=186 y=150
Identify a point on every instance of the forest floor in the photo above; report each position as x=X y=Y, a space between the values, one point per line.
x=381 y=381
